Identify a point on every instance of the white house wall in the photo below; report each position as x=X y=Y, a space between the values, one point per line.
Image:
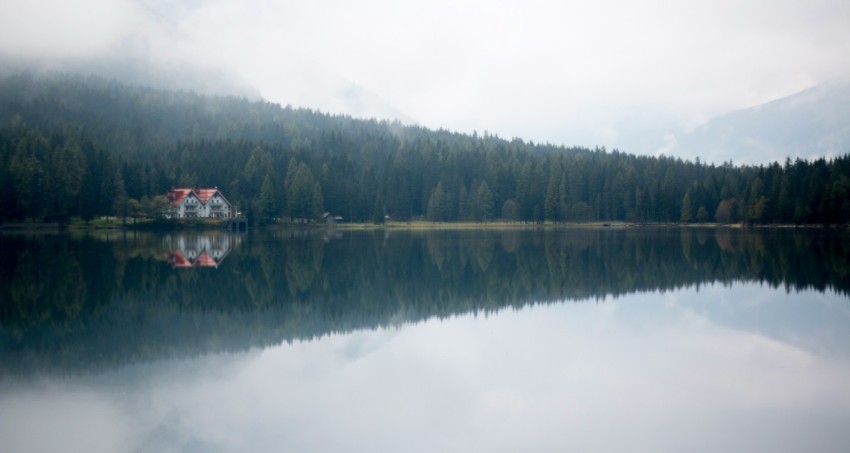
x=186 y=207
x=203 y=210
x=215 y=201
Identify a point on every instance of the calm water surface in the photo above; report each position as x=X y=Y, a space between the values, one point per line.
x=572 y=340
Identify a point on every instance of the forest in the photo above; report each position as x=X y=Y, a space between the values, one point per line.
x=87 y=147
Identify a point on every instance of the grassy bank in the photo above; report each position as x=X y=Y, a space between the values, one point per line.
x=116 y=223
x=494 y=225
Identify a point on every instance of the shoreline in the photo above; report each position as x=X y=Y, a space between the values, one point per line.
x=415 y=225
x=498 y=225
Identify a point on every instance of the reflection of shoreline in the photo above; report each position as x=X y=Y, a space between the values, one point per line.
x=200 y=250
x=87 y=294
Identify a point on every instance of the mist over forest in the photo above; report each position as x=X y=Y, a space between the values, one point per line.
x=85 y=146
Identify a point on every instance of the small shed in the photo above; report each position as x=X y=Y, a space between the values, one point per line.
x=331 y=219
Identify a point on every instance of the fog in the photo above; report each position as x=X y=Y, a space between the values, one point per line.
x=616 y=73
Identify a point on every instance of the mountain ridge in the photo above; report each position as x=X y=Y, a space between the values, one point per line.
x=809 y=124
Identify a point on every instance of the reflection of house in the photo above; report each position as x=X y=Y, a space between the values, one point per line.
x=191 y=203
x=200 y=250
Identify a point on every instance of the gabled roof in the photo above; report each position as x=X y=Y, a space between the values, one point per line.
x=179 y=260
x=205 y=194
x=179 y=194
x=205 y=260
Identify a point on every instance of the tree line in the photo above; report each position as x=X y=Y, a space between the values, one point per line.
x=86 y=147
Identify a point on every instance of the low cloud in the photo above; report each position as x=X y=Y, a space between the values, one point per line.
x=560 y=72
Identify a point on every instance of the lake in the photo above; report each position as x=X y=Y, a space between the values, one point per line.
x=634 y=339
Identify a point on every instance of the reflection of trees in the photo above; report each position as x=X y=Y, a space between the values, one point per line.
x=117 y=300
x=45 y=287
x=303 y=263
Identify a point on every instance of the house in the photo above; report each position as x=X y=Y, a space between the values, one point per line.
x=194 y=203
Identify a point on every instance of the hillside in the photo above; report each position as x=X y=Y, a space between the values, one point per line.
x=810 y=124
x=86 y=147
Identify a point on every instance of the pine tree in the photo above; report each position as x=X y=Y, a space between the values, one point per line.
x=686 y=214
x=702 y=214
x=267 y=203
x=484 y=205
x=120 y=202
x=437 y=209
x=550 y=204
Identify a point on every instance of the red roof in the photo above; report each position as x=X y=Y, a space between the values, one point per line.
x=205 y=194
x=204 y=260
x=177 y=195
x=178 y=260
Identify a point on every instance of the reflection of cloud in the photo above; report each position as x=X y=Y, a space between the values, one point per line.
x=48 y=418
x=557 y=377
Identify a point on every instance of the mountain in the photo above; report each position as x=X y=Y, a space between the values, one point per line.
x=304 y=85
x=811 y=124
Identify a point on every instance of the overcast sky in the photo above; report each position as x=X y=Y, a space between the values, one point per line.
x=608 y=73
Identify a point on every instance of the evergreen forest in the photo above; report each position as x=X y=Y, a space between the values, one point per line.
x=87 y=147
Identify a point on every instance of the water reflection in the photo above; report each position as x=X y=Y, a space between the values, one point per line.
x=642 y=372
x=112 y=300
x=199 y=250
